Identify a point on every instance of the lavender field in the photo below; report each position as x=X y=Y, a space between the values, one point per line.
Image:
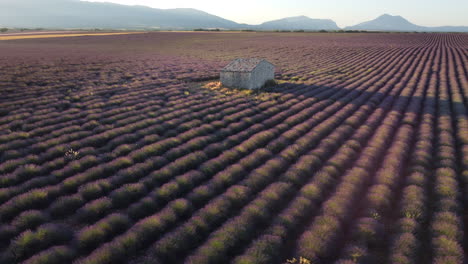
x=114 y=149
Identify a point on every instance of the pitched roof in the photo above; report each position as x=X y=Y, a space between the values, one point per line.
x=242 y=65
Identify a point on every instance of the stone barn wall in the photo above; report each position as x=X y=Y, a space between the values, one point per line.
x=236 y=79
x=247 y=73
x=262 y=73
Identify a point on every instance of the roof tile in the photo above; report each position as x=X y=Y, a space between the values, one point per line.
x=242 y=65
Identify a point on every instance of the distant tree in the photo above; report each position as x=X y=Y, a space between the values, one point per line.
x=323 y=31
x=3 y=30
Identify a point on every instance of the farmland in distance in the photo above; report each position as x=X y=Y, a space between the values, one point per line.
x=114 y=149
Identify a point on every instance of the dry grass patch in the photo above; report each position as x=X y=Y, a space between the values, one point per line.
x=258 y=94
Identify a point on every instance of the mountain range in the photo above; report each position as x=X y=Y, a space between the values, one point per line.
x=388 y=22
x=73 y=14
x=298 y=23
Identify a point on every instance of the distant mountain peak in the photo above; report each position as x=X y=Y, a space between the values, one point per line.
x=391 y=17
x=300 y=17
x=299 y=23
x=293 y=18
x=387 y=22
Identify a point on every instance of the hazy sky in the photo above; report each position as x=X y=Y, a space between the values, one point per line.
x=343 y=12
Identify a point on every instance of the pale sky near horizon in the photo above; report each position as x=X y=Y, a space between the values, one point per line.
x=343 y=12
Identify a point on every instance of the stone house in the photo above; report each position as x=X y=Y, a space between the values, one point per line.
x=249 y=73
